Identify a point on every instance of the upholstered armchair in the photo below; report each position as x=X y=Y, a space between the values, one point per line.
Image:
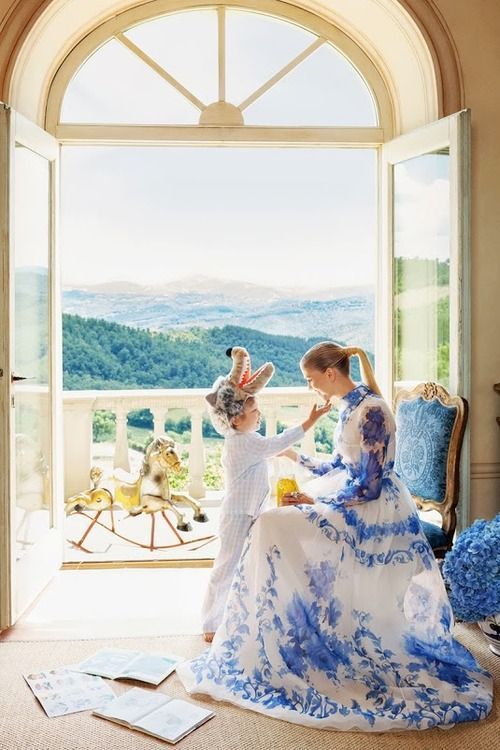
x=430 y=429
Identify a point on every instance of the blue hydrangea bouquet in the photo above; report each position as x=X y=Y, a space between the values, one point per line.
x=472 y=573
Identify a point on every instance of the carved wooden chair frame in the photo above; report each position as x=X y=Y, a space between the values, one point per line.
x=446 y=508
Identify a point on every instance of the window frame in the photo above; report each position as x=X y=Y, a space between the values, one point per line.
x=76 y=133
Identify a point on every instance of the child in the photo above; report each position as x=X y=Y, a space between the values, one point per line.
x=235 y=414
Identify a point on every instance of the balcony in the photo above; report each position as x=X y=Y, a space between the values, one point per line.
x=289 y=405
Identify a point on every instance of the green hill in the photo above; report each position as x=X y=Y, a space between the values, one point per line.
x=101 y=355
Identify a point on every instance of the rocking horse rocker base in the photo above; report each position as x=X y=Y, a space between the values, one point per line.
x=94 y=521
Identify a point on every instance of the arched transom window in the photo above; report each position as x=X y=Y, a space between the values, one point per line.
x=222 y=66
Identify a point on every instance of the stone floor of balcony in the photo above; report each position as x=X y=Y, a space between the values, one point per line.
x=104 y=546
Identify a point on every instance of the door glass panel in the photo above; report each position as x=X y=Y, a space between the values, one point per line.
x=422 y=269
x=31 y=335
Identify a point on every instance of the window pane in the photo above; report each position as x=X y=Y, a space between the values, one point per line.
x=422 y=269
x=184 y=44
x=257 y=47
x=32 y=396
x=325 y=89
x=115 y=86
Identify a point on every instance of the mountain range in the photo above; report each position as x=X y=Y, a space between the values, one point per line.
x=342 y=313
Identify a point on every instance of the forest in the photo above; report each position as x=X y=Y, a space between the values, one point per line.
x=102 y=356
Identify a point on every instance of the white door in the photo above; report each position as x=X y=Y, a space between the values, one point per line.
x=31 y=500
x=423 y=326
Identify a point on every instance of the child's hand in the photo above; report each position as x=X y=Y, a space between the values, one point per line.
x=318 y=411
x=315 y=413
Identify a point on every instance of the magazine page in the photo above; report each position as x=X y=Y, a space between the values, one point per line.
x=62 y=691
x=174 y=720
x=152 y=668
x=108 y=662
x=132 y=705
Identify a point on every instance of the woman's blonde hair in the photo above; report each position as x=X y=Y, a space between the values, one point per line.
x=328 y=354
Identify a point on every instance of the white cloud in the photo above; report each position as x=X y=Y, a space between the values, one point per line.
x=283 y=216
x=422 y=210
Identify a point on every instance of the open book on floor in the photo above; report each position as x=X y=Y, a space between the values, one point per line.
x=154 y=713
x=117 y=663
x=62 y=691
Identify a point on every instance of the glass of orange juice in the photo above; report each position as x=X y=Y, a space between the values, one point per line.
x=284 y=486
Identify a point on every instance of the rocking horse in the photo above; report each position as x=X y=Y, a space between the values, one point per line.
x=149 y=493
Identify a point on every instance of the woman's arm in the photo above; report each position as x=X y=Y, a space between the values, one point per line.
x=315 y=465
x=318 y=467
x=365 y=478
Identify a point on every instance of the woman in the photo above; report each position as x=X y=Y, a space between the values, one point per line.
x=337 y=616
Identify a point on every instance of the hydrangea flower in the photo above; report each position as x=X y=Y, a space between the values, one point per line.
x=472 y=571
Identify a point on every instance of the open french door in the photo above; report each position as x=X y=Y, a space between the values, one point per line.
x=31 y=499
x=423 y=324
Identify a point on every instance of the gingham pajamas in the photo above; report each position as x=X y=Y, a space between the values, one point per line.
x=246 y=483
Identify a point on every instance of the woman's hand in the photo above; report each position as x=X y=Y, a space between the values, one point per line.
x=296 y=498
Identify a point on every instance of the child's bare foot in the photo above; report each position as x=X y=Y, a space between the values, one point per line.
x=208 y=637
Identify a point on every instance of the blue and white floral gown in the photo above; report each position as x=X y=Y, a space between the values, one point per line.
x=337 y=616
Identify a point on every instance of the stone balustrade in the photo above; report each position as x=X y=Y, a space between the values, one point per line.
x=289 y=405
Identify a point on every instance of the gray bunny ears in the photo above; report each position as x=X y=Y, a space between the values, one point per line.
x=229 y=393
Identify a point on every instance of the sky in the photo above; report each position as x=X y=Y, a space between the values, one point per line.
x=297 y=217
x=422 y=207
x=278 y=216
x=301 y=217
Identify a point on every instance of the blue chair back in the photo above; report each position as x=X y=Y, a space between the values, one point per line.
x=430 y=428
x=424 y=430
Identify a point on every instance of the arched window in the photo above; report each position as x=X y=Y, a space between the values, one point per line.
x=266 y=75
x=219 y=66
x=185 y=80
x=276 y=67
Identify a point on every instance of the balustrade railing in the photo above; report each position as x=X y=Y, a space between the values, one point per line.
x=289 y=405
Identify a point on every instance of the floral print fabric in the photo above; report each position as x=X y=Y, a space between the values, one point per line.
x=337 y=616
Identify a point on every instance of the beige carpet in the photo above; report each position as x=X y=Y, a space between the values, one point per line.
x=24 y=726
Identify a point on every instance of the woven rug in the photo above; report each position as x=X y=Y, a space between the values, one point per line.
x=24 y=726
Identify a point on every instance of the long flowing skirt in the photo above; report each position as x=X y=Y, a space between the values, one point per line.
x=338 y=619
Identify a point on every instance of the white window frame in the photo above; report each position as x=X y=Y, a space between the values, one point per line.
x=451 y=133
x=215 y=135
x=221 y=133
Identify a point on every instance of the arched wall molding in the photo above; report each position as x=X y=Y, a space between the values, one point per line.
x=441 y=45
x=407 y=40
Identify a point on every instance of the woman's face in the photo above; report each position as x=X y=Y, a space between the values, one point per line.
x=321 y=382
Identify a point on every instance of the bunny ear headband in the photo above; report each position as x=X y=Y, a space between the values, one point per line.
x=230 y=393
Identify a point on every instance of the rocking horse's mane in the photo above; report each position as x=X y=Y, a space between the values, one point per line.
x=156 y=445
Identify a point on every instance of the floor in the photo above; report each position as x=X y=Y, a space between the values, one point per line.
x=117 y=603
x=121 y=602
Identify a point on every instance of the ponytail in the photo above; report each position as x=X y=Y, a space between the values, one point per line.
x=367 y=374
